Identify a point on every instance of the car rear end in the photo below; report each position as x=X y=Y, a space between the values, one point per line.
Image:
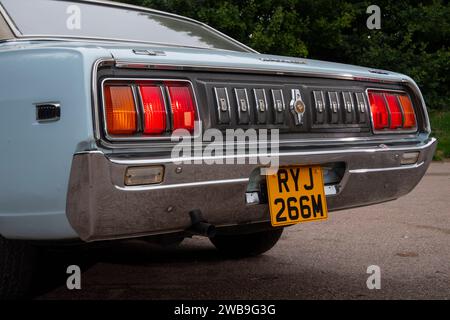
x=367 y=131
x=117 y=106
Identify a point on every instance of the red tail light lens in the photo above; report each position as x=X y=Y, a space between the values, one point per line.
x=154 y=110
x=408 y=111
x=120 y=109
x=380 y=114
x=138 y=109
x=395 y=110
x=183 y=109
x=391 y=111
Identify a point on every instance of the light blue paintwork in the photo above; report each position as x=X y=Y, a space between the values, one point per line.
x=36 y=157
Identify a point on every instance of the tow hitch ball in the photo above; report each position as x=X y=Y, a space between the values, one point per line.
x=199 y=225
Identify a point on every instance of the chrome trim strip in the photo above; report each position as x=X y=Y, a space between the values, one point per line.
x=378 y=132
x=330 y=190
x=143 y=138
x=108 y=40
x=95 y=104
x=430 y=142
x=182 y=185
x=80 y=153
x=408 y=167
x=137 y=106
x=125 y=64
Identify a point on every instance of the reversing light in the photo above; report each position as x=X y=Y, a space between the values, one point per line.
x=138 y=176
x=154 y=111
x=409 y=158
x=120 y=108
x=183 y=109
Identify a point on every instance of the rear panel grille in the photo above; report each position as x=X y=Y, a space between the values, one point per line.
x=274 y=106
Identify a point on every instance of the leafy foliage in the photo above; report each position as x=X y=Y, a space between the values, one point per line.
x=440 y=121
x=414 y=37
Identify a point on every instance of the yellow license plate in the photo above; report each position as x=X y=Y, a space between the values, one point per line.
x=296 y=194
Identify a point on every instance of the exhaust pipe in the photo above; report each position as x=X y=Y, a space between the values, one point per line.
x=199 y=225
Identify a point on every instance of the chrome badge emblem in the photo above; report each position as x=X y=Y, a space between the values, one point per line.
x=297 y=107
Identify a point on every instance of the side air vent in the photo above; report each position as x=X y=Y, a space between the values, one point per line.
x=48 y=112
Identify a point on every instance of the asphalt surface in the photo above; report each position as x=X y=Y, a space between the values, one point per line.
x=409 y=239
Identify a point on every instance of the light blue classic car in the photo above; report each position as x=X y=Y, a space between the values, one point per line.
x=97 y=99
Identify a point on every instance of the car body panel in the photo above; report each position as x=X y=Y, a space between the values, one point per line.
x=36 y=157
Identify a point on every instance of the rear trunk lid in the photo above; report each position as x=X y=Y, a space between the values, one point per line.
x=244 y=61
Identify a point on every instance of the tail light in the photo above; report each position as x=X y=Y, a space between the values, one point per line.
x=154 y=110
x=408 y=111
x=182 y=107
x=380 y=114
x=395 y=110
x=120 y=108
x=141 y=109
x=391 y=111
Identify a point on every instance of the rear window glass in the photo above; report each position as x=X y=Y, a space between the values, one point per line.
x=90 y=20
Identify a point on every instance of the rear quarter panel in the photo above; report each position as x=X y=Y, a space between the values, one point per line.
x=36 y=157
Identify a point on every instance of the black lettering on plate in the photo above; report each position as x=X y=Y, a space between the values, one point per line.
x=292 y=208
x=305 y=210
x=311 y=181
x=295 y=173
x=317 y=205
x=279 y=217
x=283 y=178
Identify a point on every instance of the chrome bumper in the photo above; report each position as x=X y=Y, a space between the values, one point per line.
x=100 y=207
